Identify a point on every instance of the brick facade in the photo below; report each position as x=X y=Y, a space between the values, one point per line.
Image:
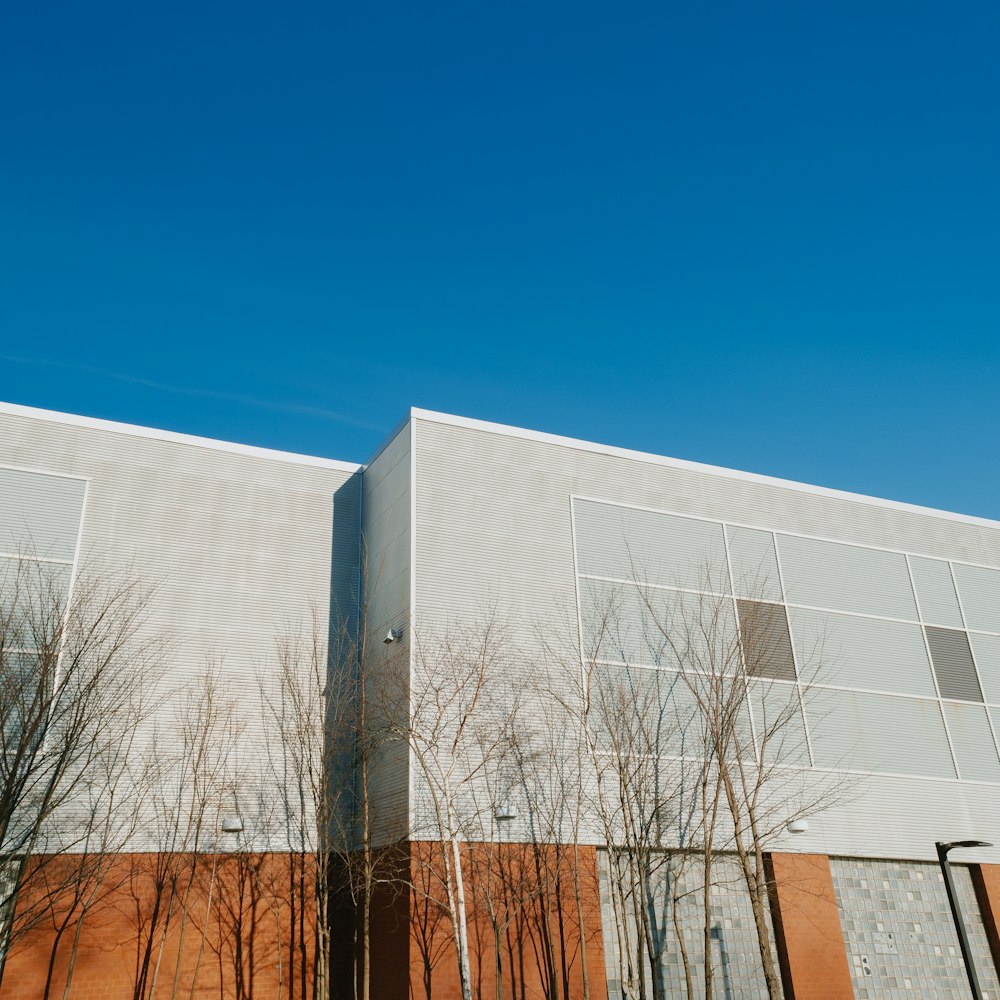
x=223 y=927
x=540 y=940
x=986 y=882
x=807 y=927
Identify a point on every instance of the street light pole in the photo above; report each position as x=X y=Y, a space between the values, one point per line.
x=956 y=913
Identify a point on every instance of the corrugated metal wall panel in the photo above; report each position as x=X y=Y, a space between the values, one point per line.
x=936 y=592
x=492 y=516
x=986 y=650
x=846 y=577
x=780 y=727
x=875 y=732
x=670 y=716
x=754 y=564
x=979 y=589
x=244 y=550
x=658 y=627
x=650 y=547
x=973 y=742
x=32 y=584
x=861 y=652
x=386 y=552
x=40 y=514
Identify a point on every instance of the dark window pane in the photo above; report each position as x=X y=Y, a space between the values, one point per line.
x=767 y=647
x=953 y=664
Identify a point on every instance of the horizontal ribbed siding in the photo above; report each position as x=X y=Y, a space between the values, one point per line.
x=846 y=577
x=650 y=547
x=936 y=592
x=493 y=529
x=851 y=651
x=40 y=514
x=243 y=552
x=386 y=553
x=979 y=589
x=874 y=732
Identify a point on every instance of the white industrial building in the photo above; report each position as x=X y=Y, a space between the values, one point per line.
x=882 y=631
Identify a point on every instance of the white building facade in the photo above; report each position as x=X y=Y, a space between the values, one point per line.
x=883 y=631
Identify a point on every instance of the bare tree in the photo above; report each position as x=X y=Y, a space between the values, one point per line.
x=650 y=795
x=697 y=736
x=75 y=665
x=83 y=882
x=190 y=776
x=334 y=708
x=461 y=722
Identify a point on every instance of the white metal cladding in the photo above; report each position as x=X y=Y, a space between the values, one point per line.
x=845 y=577
x=972 y=739
x=30 y=580
x=40 y=514
x=936 y=592
x=754 y=564
x=238 y=545
x=851 y=651
x=779 y=727
x=386 y=543
x=979 y=590
x=493 y=527
x=671 y=721
x=986 y=650
x=650 y=547
x=876 y=732
x=659 y=627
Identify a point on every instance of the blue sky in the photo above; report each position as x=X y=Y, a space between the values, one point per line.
x=765 y=236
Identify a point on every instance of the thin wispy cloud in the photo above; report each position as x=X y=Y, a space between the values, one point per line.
x=275 y=406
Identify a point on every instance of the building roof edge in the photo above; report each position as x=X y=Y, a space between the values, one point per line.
x=175 y=437
x=680 y=463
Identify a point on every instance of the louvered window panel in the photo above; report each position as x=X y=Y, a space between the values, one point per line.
x=767 y=647
x=33 y=595
x=979 y=589
x=986 y=650
x=858 y=652
x=973 y=742
x=777 y=716
x=652 y=626
x=841 y=577
x=650 y=547
x=953 y=664
x=878 y=732
x=638 y=711
x=936 y=592
x=39 y=514
x=754 y=563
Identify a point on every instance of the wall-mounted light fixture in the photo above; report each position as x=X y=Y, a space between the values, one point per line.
x=232 y=824
x=393 y=635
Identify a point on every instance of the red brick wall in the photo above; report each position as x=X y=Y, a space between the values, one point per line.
x=807 y=927
x=227 y=949
x=217 y=943
x=539 y=939
x=986 y=881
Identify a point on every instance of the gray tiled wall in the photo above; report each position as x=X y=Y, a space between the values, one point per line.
x=898 y=929
x=735 y=954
